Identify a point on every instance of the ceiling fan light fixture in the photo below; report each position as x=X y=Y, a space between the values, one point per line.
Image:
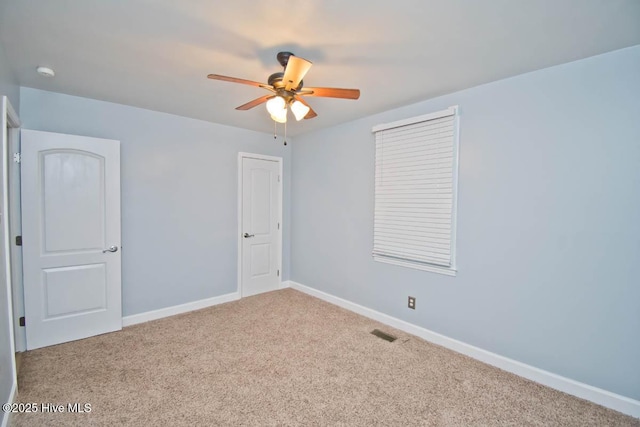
x=299 y=110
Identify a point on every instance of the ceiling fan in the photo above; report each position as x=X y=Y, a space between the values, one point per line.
x=287 y=90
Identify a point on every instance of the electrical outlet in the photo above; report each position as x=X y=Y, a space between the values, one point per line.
x=412 y=303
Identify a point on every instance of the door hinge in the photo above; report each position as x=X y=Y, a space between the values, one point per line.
x=278 y=178
x=18 y=240
x=278 y=226
x=23 y=322
x=17 y=157
x=278 y=273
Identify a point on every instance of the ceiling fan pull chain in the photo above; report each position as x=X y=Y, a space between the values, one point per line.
x=285 y=133
x=275 y=130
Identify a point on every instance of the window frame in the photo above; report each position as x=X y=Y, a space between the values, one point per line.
x=452 y=269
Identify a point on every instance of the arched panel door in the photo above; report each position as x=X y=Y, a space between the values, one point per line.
x=71 y=237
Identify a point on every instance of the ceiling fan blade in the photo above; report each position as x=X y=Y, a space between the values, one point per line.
x=255 y=102
x=236 y=80
x=311 y=114
x=330 y=92
x=295 y=72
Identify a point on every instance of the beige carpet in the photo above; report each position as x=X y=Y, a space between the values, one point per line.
x=283 y=358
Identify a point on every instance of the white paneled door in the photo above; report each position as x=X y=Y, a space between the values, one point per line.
x=71 y=237
x=261 y=200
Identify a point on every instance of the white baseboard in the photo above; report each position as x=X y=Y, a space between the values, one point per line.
x=12 y=398
x=178 y=309
x=285 y=284
x=602 y=397
x=184 y=308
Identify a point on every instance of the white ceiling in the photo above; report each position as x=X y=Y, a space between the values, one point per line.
x=155 y=54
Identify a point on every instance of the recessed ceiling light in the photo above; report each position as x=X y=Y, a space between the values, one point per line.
x=45 y=71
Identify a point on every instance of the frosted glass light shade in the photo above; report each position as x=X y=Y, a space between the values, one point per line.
x=276 y=105
x=281 y=117
x=299 y=110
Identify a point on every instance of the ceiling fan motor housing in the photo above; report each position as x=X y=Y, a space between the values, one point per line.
x=275 y=80
x=283 y=58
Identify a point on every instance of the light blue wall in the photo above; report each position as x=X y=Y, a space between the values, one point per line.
x=179 y=194
x=548 y=225
x=9 y=88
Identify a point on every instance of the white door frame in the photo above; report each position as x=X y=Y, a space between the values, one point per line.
x=11 y=121
x=243 y=155
x=15 y=229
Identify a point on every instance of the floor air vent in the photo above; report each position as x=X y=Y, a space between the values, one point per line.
x=384 y=336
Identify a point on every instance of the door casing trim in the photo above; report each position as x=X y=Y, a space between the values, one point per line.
x=241 y=156
x=10 y=122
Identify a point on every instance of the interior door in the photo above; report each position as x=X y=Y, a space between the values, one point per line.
x=261 y=231
x=71 y=237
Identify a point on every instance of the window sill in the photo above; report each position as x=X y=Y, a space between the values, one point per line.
x=447 y=271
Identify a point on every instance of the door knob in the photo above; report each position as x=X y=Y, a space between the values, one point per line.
x=111 y=249
x=247 y=235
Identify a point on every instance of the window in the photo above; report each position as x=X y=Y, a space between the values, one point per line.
x=415 y=192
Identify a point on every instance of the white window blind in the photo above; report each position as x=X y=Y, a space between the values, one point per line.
x=415 y=181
